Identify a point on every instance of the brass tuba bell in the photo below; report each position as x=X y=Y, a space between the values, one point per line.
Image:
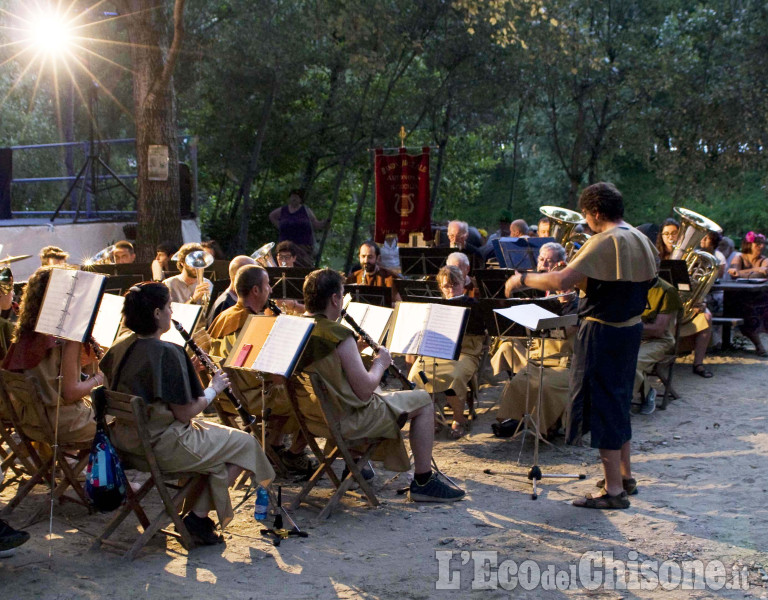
x=563 y=221
x=702 y=266
x=102 y=257
x=263 y=256
x=6 y=280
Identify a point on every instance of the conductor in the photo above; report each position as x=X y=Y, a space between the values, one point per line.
x=614 y=270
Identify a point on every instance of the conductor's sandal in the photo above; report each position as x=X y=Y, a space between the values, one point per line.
x=604 y=501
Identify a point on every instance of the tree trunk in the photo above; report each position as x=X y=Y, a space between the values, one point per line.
x=332 y=209
x=356 y=223
x=241 y=241
x=153 y=56
x=515 y=153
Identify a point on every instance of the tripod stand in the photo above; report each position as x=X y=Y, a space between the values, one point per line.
x=88 y=176
x=542 y=326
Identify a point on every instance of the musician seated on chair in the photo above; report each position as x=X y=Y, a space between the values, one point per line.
x=184 y=287
x=123 y=253
x=45 y=357
x=461 y=261
x=53 y=255
x=228 y=297
x=459 y=238
x=286 y=253
x=514 y=401
x=371 y=271
x=368 y=412
x=450 y=378
x=658 y=341
x=162 y=374
x=253 y=290
x=510 y=355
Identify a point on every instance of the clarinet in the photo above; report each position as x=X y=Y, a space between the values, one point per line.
x=375 y=347
x=247 y=418
x=272 y=305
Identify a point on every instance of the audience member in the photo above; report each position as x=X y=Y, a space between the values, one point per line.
x=297 y=223
x=752 y=307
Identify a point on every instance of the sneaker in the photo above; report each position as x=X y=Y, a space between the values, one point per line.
x=297 y=463
x=11 y=538
x=647 y=407
x=202 y=530
x=367 y=472
x=434 y=491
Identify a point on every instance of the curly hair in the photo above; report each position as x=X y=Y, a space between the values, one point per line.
x=32 y=300
x=319 y=286
x=603 y=198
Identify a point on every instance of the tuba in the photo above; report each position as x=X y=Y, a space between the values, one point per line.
x=6 y=280
x=263 y=256
x=562 y=224
x=200 y=260
x=702 y=266
x=102 y=257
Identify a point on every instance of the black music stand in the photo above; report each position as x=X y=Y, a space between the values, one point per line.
x=143 y=269
x=520 y=254
x=420 y=262
x=491 y=281
x=370 y=294
x=415 y=291
x=295 y=272
x=540 y=328
x=288 y=288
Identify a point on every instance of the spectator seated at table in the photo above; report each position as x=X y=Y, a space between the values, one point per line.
x=752 y=307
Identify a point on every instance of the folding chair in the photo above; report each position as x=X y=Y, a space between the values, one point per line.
x=663 y=369
x=336 y=446
x=131 y=411
x=16 y=450
x=24 y=392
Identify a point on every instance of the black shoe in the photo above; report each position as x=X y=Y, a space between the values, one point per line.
x=367 y=472
x=505 y=429
x=10 y=537
x=202 y=530
x=434 y=490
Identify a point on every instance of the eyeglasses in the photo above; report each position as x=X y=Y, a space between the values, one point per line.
x=669 y=234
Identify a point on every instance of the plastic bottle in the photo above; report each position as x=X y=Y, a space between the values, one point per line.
x=262 y=504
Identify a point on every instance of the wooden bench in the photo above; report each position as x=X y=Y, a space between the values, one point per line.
x=727 y=323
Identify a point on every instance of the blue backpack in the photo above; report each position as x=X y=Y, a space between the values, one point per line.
x=105 y=481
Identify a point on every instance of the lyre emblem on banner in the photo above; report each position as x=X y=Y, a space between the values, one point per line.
x=404 y=204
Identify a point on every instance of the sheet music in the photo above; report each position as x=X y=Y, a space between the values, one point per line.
x=530 y=316
x=108 y=320
x=69 y=303
x=407 y=331
x=443 y=329
x=283 y=346
x=187 y=315
x=372 y=319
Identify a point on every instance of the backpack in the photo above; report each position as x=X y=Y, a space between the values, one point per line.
x=105 y=481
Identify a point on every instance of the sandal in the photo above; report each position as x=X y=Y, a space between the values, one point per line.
x=603 y=502
x=629 y=485
x=458 y=430
x=702 y=371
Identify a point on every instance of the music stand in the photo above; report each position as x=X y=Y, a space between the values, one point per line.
x=491 y=281
x=520 y=254
x=539 y=326
x=370 y=294
x=420 y=262
x=415 y=291
x=290 y=288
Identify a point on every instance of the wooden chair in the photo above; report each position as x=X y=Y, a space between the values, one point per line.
x=18 y=458
x=664 y=368
x=336 y=446
x=71 y=458
x=131 y=411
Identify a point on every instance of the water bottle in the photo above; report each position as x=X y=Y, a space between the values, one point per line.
x=262 y=504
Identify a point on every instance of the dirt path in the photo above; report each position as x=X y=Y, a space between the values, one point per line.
x=701 y=470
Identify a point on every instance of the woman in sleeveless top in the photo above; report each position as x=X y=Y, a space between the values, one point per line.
x=753 y=306
x=297 y=223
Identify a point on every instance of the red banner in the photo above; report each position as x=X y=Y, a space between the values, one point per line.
x=402 y=195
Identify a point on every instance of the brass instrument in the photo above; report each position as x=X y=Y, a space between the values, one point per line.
x=102 y=257
x=562 y=224
x=6 y=280
x=702 y=266
x=263 y=256
x=200 y=260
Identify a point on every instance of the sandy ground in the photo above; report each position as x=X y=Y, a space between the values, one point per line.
x=702 y=477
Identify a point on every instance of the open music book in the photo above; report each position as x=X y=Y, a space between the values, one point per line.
x=374 y=320
x=433 y=330
x=187 y=315
x=271 y=344
x=70 y=304
x=536 y=318
x=108 y=320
